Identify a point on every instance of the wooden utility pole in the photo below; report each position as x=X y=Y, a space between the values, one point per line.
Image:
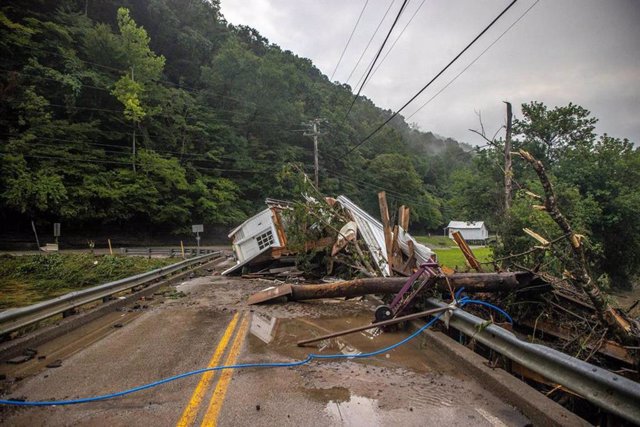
x=508 y=173
x=314 y=125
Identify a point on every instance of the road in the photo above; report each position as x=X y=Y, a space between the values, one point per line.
x=411 y=385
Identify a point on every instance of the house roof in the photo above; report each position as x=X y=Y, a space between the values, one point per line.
x=466 y=224
x=235 y=230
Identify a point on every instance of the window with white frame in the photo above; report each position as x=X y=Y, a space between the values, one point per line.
x=265 y=240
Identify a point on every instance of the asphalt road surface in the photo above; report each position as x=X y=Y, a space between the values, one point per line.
x=412 y=385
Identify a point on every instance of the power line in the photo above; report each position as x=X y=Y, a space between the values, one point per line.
x=126 y=150
x=94 y=160
x=398 y=38
x=370 y=40
x=272 y=123
x=434 y=78
x=473 y=62
x=349 y=40
x=364 y=82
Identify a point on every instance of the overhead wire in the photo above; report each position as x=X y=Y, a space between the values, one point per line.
x=355 y=67
x=98 y=146
x=94 y=160
x=434 y=78
x=473 y=62
x=398 y=38
x=370 y=68
x=349 y=40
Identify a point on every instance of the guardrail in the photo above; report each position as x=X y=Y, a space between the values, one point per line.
x=169 y=252
x=16 y=318
x=616 y=394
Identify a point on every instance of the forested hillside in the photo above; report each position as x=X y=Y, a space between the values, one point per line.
x=157 y=114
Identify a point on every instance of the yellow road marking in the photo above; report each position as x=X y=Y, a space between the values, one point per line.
x=215 y=405
x=191 y=411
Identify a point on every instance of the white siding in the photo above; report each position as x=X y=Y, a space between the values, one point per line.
x=471 y=233
x=258 y=233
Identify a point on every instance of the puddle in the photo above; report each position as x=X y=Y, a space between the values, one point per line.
x=332 y=394
x=271 y=334
x=357 y=411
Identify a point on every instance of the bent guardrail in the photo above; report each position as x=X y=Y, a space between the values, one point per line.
x=16 y=318
x=616 y=394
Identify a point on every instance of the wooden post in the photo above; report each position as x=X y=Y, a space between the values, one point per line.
x=110 y=248
x=508 y=172
x=388 y=239
x=182 y=248
x=466 y=251
x=403 y=217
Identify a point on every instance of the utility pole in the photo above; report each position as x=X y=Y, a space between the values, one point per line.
x=314 y=125
x=133 y=135
x=508 y=173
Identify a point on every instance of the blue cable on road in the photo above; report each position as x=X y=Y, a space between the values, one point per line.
x=312 y=356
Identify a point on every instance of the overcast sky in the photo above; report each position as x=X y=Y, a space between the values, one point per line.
x=581 y=51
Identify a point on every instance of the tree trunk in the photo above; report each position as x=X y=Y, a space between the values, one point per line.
x=579 y=273
x=472 y=282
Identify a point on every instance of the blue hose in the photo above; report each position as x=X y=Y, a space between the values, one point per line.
x=462 y=302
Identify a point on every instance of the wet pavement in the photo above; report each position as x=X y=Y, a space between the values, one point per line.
x=410 y=385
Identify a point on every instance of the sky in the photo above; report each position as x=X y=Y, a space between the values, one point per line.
x=561 y=51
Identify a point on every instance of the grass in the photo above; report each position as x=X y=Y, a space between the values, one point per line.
x=435 y=241
x=448 y=252
x=453 y=257
x=28 y=279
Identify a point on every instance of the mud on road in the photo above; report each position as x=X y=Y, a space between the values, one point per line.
x=413 y=384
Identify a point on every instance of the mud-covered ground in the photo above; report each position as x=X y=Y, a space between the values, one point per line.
x=410 y=385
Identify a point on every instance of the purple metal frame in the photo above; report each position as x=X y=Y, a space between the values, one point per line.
x=399 y=303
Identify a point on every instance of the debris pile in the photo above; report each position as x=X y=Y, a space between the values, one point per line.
x=324 y=247
x=326 y=237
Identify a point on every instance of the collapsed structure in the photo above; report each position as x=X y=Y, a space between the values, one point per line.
x=328 y=239
x=261 y=244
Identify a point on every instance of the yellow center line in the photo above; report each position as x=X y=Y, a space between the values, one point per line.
x=215 y=405
x=191 y=411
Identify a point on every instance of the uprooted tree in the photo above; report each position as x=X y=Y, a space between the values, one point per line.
x=576 y=265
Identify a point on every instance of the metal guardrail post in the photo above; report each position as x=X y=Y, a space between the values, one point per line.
x=16 y=318
x=616 y=394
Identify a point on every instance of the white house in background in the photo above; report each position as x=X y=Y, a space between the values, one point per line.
x=471 y=231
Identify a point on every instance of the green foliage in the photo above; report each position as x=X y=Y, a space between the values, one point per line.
x=597 y=183
x=28 y=279
x=217 y=112
x=128 y=92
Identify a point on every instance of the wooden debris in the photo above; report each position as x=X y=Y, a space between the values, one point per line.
x=471 y=259
x=536 y=236
x=388 y=235
x=579 y=271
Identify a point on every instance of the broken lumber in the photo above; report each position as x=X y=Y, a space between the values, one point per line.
x=466 y=251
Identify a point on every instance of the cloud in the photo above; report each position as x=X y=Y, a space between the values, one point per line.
x=581 y=51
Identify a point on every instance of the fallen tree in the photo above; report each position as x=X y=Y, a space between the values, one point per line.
x=472 y=282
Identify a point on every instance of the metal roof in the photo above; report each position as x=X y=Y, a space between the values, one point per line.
x=466 y=224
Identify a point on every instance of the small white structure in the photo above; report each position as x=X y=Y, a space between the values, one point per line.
x=255 y=236
x=471 y=231
x=262 y=238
